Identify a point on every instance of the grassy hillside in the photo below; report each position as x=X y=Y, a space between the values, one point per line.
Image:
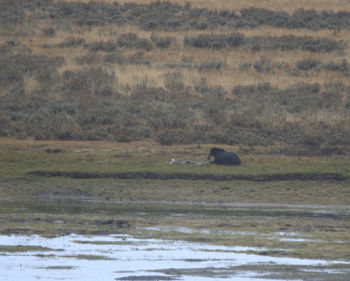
x=248 y=73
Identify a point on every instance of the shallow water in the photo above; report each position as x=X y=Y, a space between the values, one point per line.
x=111 y=257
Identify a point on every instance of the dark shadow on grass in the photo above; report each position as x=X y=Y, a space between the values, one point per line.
x=187 y=176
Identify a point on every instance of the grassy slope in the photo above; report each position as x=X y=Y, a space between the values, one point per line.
x=268 y=122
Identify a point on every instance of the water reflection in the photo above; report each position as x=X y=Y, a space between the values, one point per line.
x=123 y=257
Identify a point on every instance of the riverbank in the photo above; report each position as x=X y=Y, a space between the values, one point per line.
x=59 y=170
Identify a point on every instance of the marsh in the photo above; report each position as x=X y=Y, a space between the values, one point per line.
x=172 y=241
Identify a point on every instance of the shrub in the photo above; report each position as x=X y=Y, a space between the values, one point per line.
x=214 y=41
x=283 y=43
x=291 y=42
x=77 y=84
x=168 y=16
x=173 y=82
x=320 y=44
x=308 y=64
x=172 y=136
x=14 y=69
x=334 y=94
x=262 y=65
x=89 y=58
x=114 y=58
x=302 y=18
x=180 y=65
x=207 y=41
x=65 y=126
x=11 y=13
x=108 y=46
x=11 y=75
x=235 y=39
x=162 y=42
x=258 y=16
x=136 y=58
x=49 y=31
x=300 y=96
x=245 y=66
x=201 y=25
x=71 y=42
x=131 y=40
x=262 y=92
x=343 y=66
x=216 y=92
x=168 y=116
x=15 y=47
x=125 y=134
x=210 y=66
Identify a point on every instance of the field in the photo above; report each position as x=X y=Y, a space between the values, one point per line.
x=139 y=171
x=96 y=98
x=108 y=187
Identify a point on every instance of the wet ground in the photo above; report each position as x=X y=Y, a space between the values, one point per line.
x=123 y=257
x=173 y=241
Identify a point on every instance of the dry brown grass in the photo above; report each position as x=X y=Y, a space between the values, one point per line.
x=228 y=77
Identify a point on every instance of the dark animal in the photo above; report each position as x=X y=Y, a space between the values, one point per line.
x=224 y=157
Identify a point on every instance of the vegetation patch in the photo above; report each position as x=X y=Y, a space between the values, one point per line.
x=107 y=242
x=176 y=74
x=20 y=249
x=170 y=114
x=146 y=278
x=171 y=16
x=89 y=257
x=185 y=176
x=278 y=271
x=283 y=43
x=63 y=267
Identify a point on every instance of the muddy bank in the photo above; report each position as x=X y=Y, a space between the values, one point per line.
x=186 y=176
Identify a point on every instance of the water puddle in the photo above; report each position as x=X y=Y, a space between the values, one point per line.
x=123 y=257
